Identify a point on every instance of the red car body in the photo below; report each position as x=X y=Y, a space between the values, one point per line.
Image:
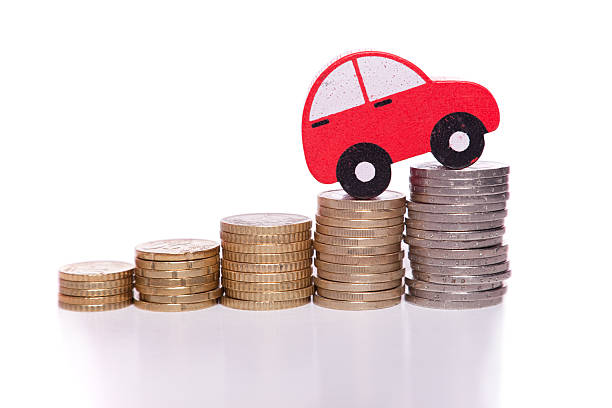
x=401 y=123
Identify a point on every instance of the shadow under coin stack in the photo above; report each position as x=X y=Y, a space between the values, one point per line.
x=359 y=256
x=267 y=261
x=96 y=286
x=177 y=275
x=454 y=230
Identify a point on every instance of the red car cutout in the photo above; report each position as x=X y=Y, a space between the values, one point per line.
x=370 y=109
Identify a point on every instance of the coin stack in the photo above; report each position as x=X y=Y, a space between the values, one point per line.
x=177 y=275
x=359 y=256
x=267 y=261
x=96 y=286
x=454 y=231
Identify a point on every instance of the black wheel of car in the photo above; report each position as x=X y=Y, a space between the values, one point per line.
x=457 y=140
x=364 y=170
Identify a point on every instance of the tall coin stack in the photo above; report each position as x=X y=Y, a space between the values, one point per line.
x=96 y=286
x=359 y=256
x=176 y=275
x=454 y=231
x=267 y=261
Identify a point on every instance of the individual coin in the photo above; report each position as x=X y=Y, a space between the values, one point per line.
x=96 y=271
x=170 y=282
x=361 y=259
x=340 y=199
x=95 y=292
x=367 y=269
x=457 y=262
x=441 y=287
x=362 y=214
x=460 y=218
x=176 y=307
x=265 y=239
x=361 y=232
x=361 y=277
x=95 y=285
x=348 y=250
x=346 y=305
x=434 y=304
x=192 y=298
x=271 y=296
x=461 y=270
x=480 y=169
x=355 y=287
x=98 y=300
x=267 y=258
x=265 y=286
x=176 y=265
x=267 y=248
x=460 y=183
x=460 y=253
x=259 y=306
x=462 y=280
x=460 y=200
x=267 y=277
x=266 y=268
x=265 y=223
x=454 y=227
x=346 y=223
x=452 y=191
x=178 y=274
x=95 y=308
x=180 y=290
x=177 y=249
x=455 y=208
x=456 y=235
x=426 y=243
x=458 y=296
x=357 y=242
x=393 y=293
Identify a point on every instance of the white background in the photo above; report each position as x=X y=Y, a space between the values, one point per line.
x=126 y=121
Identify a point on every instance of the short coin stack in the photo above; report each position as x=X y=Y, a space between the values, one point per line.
x=177 y=275
x=359 y=256
x=96 y=286
x=454 y=230
x=267 y=261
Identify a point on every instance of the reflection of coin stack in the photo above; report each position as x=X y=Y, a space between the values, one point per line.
x=359 y=257
x=96 y=286
x=177 y=275
x=454 y=230
x=267 y=261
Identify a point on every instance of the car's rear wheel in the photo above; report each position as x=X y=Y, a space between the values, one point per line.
x=457 y=140
x=364 y=170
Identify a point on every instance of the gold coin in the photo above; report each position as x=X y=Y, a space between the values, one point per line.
x=361 y=232
x=179 y=274
x=95 y=285
x=387 y=294
x=340 y=199
x=356 y=223
x=176 y=265
x=362 y=214
x=265 y=239
x=97 y=300
x=367 y=269
x=267 y=258
x=175 y=307
x=172 y=283
x=361 y=277
x=177 y=249
x=349 y=250
x=266 y=277
x=251 y=305
x=357 y=242
x=96 y=271
x=180 y=290
x=355 y=287
x=267 y=248
x=191 y=298
x=265 y=224
x=265 y=286
x=266 y=268
x=361 y=259
x=95 y=292
x=95 y=308
x=271 y=296
x=345 y=305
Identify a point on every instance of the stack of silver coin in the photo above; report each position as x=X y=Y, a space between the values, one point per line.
x=454 y=231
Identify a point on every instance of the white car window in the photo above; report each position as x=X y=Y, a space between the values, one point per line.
x=383 y=76
x=338 y=92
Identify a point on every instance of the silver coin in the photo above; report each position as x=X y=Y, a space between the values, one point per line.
x=455 y=209
x=434 y=304
x=426 y=243
x=461 y=270
x=452 y=191
x=478 y=199
x=440 y=287
x=480 y=169
x=462 y=280
x=453 y=226
x=460 y=253
x=458 y=218
x=455 y=235
x=458 y=296
x=475 y=182
x=425 y=260
x=340 y=199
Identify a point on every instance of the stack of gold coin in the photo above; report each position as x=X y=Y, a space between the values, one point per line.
x=267 y=261
x=96 y=286
x=177 y=275
x=359 y=251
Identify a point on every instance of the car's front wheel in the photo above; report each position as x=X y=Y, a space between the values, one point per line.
x=457 y=140
x=364 y=170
